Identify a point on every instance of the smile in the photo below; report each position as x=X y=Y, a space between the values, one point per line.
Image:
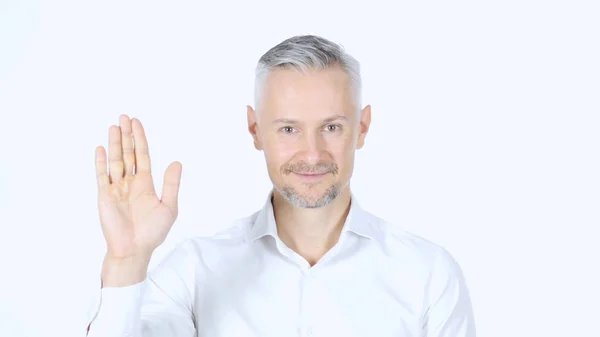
x=310 y=176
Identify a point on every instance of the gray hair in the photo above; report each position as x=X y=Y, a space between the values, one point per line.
x=306 y=52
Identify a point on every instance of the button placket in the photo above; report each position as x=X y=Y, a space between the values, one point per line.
x=310 y=303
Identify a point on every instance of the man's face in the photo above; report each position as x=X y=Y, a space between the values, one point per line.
x=308 y=127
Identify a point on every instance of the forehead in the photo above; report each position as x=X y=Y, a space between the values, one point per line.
x=314 y=92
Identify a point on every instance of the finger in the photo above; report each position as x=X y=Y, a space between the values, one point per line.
x=101 y=174
x=115 y=155
x=128 y=155
x=171 y=182
x=142 y=155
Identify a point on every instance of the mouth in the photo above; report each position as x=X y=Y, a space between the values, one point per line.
x=310 y=176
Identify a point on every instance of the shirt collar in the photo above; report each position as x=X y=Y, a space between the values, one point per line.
x=358 y=221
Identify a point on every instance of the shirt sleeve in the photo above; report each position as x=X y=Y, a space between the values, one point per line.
x=449 y=312
x=161 y=305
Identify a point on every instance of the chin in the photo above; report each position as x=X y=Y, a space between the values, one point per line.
x=309 y=197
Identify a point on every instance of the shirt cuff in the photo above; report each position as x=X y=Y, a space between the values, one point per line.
x=117 y=311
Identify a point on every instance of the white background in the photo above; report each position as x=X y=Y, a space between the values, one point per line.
x=484 y=139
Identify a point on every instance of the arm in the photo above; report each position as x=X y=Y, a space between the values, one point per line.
x=449 y=312
x=161 y=304
x=135 y=221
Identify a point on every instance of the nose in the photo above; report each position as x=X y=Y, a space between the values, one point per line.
x=314 y=145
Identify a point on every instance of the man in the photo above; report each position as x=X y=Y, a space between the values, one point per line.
x=311 y=262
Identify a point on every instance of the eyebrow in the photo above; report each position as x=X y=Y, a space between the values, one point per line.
x=325 y=121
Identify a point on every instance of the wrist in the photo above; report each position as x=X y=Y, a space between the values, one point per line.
x=124 y=271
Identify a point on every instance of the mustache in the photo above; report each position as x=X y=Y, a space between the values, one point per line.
x=304 y=168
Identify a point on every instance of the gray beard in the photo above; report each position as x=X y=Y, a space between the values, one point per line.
x=296 y=199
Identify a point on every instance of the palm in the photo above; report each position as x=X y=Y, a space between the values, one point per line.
x=134 y=219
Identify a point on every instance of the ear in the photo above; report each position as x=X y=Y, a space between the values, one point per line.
x=365 y=122
x=253 y=126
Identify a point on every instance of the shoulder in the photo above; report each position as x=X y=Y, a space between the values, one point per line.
x=402 y=245
x=438 y=280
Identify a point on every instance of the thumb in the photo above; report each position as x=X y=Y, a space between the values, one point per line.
x=171 y=183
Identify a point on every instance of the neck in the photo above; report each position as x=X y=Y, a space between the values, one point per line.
x=311 y=232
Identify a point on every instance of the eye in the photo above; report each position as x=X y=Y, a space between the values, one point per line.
x=287 y=129
x=333 y=127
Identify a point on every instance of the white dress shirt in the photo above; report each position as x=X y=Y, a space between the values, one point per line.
x=378 y=280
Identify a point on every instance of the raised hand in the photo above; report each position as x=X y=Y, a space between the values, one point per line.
x=134 y=219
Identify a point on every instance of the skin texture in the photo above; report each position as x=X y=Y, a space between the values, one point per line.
x=308 y=124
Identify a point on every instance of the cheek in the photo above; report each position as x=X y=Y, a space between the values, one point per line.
x=278 y=152
x=282 y=144
x=342 y=150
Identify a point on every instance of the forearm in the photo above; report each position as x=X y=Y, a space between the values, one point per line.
x=134 y=301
